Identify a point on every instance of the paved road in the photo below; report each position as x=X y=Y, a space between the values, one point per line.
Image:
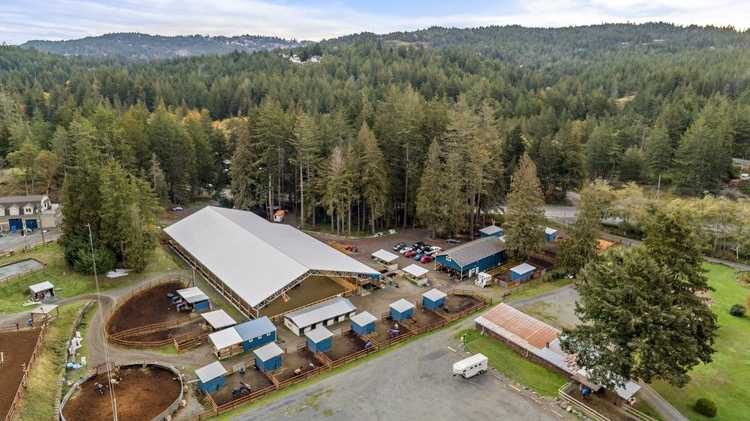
x=410 y=383
x=18 y=242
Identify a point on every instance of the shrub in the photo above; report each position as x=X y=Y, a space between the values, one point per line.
x=737 y=310
x=705 y=407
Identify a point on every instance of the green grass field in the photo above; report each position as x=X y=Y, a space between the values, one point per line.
x=726 y=380
x=536 y=287
x=14 y=293
x=513 y=365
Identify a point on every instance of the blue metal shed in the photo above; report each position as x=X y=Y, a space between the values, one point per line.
x=522 y=272
x=491 y=231
x=197 y=299
x=363 y=323
x=319 y=339
x=433 y=299
x=268 y=357
x=473 y=257
x=401 y=310
x=550 y=234
x=211 y=377
x=256 y=333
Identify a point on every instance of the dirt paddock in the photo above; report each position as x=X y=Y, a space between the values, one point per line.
x=459 y=303
x=252 y=377
x=142 y=394
x=424 y=318
x=148 y=307
x=380 y=333
x=294 y=360
x=344 y=345
x=16 y=348
x=194 y=328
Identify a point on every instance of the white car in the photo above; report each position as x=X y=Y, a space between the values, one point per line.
x=745 y=176
x=405 y=250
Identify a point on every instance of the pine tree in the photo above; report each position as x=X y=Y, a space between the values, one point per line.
x=659 y=152
x=431 y=207
x=580 y=243
x=632 y=165
x=524 y=219
x=374 y=176
x=25 y=159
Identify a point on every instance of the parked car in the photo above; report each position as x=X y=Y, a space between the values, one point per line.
x=410 y=253
x=426 y=259
x=398 y=246
x=418 y=256
x=405 y=250
x=452 y=241
x=177 y=209
x=436 y=249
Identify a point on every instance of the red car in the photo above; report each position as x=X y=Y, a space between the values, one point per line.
x=426 y=259
x=410 y=253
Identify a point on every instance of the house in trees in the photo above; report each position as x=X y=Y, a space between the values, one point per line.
x=31 y=212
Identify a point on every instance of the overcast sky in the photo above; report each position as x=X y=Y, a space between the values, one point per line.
x=22 y=20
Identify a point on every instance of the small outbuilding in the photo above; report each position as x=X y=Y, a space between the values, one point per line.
x=385 y=257
x=416 y=273
x=491 y=231
x=319 y=339
x=256 y=333
x=468 y=259
x=44 y=313
x=363 y=323
x=268 y=357
x=218 y=319
x=195 y=298
x=328 y=312
x=550 y=234
x=211 y=377
x=433 y=299
x=227 y=343
x=42 y=291
x=401 y=310
x=522 y=272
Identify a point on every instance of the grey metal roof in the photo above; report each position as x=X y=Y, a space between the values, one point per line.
x=549 y=230
x=192 y=295
x=402 y=305
x=316 y=313
x=41 y=286
x=385 y=256
x=268 y=351
x=218 y=319
x=523 y=268
x=253 y=257
x=225 y=338
x=415 y=270
x=434 y=294
x=19 y=200
x=255 y=328
x=363 y=318
x=209 y=372
x=319 y=334
x=468 y=253
x=489 y=230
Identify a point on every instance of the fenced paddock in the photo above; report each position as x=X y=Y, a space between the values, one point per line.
x=20 y=348
x=19 y=268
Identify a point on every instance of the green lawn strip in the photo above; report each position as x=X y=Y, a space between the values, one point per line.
x=39 y=400
x=74 y=376
x=14 y=293
x=536 y=287
x=512 y=365
x=726 y=380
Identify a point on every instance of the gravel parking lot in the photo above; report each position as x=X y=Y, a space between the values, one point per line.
x=412 y=382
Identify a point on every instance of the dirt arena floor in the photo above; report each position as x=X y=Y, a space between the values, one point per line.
x=142 y=394
x=148 y=307
x=189 y=329
x=16 y=348
x=312 y=289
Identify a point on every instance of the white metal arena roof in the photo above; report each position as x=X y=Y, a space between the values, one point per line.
x=316 y=313
x=42 y=286
x=415 y=270
x=225 y=338
x=318 y=334
x=254 y=257
x=192 y=295
x=385 y=256
x=218 y=319
x=402 y=305
x=209 y=372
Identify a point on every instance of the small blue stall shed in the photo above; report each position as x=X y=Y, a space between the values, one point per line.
x=363 y=323
x=522 y=272
x=256 y=333
x=550 y=234
x=491 y=231
x=401 y=310
x=433 y=299
x=319 y=339
x=195 y=298
x=268 y=357
x=211 y=377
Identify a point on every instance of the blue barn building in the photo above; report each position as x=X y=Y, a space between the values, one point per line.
x=473 y=257
x=319 y=339
x=433 y=299
x=522 y=272
x=256 y=333
x=401 y=310
x=211 y=377
x=268 y=357
x=363 y=323
x=491 y=231
x=195 y=298
x=550 y=234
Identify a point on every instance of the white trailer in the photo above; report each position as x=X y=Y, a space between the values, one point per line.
x=470 y=367
x=484 y=280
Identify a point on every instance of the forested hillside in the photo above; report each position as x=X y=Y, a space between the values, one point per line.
x=136 y=46
x=400 y=129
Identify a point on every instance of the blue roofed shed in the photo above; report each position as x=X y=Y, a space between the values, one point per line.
x=550 y=234
x=401 y=310
x=473 y=257
x=268 y=357
x=491 y=231
x=522 y=272
x=195 y=298
x=433 y=299
x=363 y=323
x=211 y=377
x=256 y=333
x=319 y=339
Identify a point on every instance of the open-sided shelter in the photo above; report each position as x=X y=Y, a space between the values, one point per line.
x=218 y=319
x=226 y=343
x=195 y=298
x=42 y=291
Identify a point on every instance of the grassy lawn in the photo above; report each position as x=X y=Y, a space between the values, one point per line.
x=514 y=366
x=14 y=293
x=726 y=380
x=39 y=400
x=537 y=287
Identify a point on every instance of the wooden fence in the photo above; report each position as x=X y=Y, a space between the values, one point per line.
x=24 y=378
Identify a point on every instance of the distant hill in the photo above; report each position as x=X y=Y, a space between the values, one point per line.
x=137 y=46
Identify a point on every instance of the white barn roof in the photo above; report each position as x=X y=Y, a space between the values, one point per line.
x=192 y=295
x=363 y=318
x=316 y=313
x=218 y=319
x=42 y=286
x=319 y=334
x=225 y=338
x=268 y=351
x=253 y=257
x=385 y=256
x=209 y=372
x=523 y=268
x=415 y=270
x=402 y=305
x=434 y=294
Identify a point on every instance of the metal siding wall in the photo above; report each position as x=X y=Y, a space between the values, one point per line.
x=443 y=261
